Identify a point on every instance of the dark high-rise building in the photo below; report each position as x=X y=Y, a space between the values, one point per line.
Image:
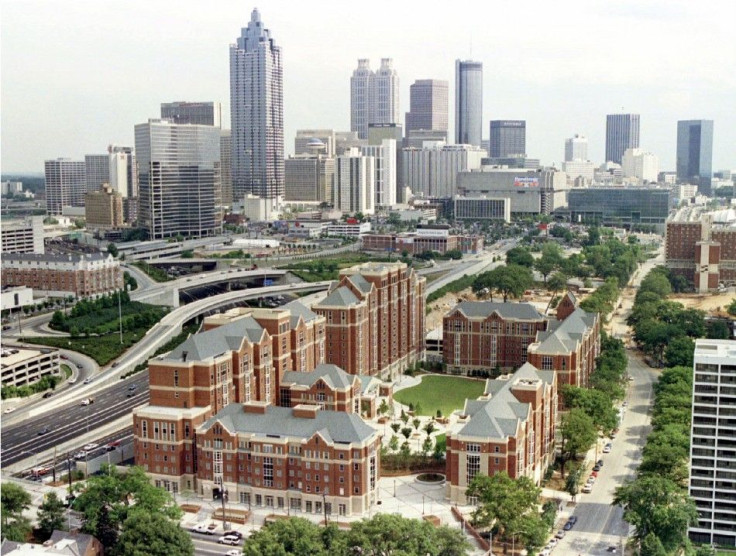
x=507 y=138
x=622 y=132
x=468 y=102
x=427 y=106
x=200 y=113
x=695 y=153
x=257 y=113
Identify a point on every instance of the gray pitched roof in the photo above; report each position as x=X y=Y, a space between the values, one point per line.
x=298 y=309
x=203 y=345
x=337 y=426
x=566 y=335
x=361 y=283
x=483 y=309
x=332 y=375
x=339 y=297
x=499 y=416
x=50 y=257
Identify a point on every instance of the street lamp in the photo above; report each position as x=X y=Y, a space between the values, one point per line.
x=324 y=506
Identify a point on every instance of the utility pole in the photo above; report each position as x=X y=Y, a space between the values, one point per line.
x=223 y=497
x=120 y=314
x=324 y=505
x=53 y=470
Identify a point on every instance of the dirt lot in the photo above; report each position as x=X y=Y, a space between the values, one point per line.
x=711 y=303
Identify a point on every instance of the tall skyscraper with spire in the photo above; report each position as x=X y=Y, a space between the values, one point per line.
x=374 y=96
x=257 y=113
x=468 y=102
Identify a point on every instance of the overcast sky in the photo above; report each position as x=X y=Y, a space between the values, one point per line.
x=79 y=74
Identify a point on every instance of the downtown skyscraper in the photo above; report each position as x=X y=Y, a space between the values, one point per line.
x=427 y=106
x=695 y=153
x=374 y=96
x=468 y=102
x=622 y=132
x=257 y=113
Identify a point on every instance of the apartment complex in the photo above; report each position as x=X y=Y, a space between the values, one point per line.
x=488 y=336
x=570 y=344
x=103 y=209
x=702 y=247
x=510 y=428
x=63 y=275
x=22 y=236
x=713 y=442
x=21 y=367
x=328 y=387
x=375 y=319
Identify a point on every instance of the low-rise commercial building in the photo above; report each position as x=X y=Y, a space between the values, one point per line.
x=62 y=275
x=510 y=428
x=482 y=208
x=435 y=239
x=620 y=206
x=22 y=367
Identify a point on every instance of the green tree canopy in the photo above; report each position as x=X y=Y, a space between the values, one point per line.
x=578 y=434
x=14 y=501
x=51 y=515
x=520 y=256
x=153 y=535
x=595 y=403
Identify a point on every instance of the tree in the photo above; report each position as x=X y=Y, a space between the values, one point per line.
x=110 y=498
x=578 y=434
x=509 y=281
x=520 y=256
x=395 y=427
x=550 y=260
x=153 y=535
x=14 y=500
x=426 y=446
x=596 y=404
x=429 y=428
x=393 y=443
x=406 y=431
x=731 y=309
x=295 y=536
x=112 y=249
x=572 y=483
x=416 y=422
x=652 y=546
x=503 y=500
x=656 y=505
x=50 y=515
x=557 y=282
x=679 y=351
x=383 y=407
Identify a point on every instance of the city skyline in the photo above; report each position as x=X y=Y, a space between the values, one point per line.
x=552 y=77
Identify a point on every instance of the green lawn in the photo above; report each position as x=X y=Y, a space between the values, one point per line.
x=446 y=393
x=102 y=349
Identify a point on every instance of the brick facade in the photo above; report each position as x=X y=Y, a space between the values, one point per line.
x=510 y=428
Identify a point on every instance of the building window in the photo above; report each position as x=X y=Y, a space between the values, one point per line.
x=547 y=363
x=473 y=467
x=473 y=447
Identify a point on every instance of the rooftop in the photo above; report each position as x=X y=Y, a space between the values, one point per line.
x=332 y=375
x=484 y=309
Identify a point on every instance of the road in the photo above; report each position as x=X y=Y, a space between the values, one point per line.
x=600 y=524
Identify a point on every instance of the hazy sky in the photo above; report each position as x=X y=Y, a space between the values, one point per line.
x=79 y=74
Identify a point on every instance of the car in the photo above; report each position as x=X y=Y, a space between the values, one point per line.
x=79 y=366
x=611 y=549
x=599 y=463
x=544 y=552
x=607 y=449
x=7 y=327
x=87 y=401
x=72 y=380
x=572 y=519
x=47 y=395
x=624 y=404
x=594 y=473
x=88 y=380
x=9 y=410
x=567 y=526
x=588 y=488
x=112 y=445
x=116 y=363
x=596 y=468
x=43 y=431
x=233 y=534
x=81 y=454
x=590 y=480
x=234 y=552
x=201 y=528
x=560 y=534
x=552 y=543
x=232 y=540
x=91 y=446
x=132 y=387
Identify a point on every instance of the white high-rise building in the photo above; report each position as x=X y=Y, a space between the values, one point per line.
x=179 y=175
x=123 y=171
x=641 y=165
x=432 y=171
x=66 y=184
x=374 y=96
x=257 y=113
x=713 y=442
x=576 y=148
x=385 y=157
x=355 y=179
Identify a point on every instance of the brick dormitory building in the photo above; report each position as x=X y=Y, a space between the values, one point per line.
x=497 y=337
x=250 y=406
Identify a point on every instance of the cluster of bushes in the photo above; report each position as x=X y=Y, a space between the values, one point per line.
x=398 y=455
x=656 y=503
x=48 y=382
x=153 y=272
x=453 y=287
x=101 y=316
x=452 y=254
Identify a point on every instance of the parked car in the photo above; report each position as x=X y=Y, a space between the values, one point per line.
x=232 y=540
x=234 y=552
x=112 y=445
x=9 y=410
x=588 y=488
x=72 y=380
x=91 y=446
x=47 y=395
x=599 y=463
x=607 y=449
x=560 y=534
x=596 y=467
x=201 y=528
x=82 y=454
x=233 y=534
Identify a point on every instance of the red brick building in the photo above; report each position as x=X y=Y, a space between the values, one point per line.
x=375 y=319
x=570 y=345
x=416 y=243
x=298 y=458
x=510 y=428
x=483 y=335
x=328 y=386
x=703 y=250
x=63 y=275
x=234 y=360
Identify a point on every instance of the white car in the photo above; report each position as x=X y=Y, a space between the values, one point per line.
x=232 y=540
x=90 y=447
x=72 y=380
x=201 y=528
x=234 y=552
x=9 y=410
x=588 y=488
x=607 y=449
x=82 y=454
